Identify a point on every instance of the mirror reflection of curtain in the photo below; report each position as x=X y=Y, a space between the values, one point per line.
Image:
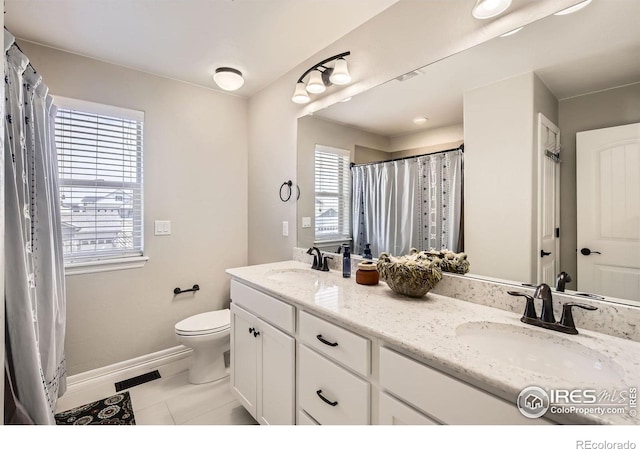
x=34 y=272
x=408 y=203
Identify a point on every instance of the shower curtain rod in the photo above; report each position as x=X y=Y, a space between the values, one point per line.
x=460 y=148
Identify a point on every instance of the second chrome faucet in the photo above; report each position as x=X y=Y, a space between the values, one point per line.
x=547 y=319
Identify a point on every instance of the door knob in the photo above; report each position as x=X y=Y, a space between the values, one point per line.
x=587 y=251
x=544 y=253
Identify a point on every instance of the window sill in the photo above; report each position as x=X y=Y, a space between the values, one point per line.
x=98 y=266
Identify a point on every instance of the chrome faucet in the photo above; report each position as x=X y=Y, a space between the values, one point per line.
x=562 y=279
x=547 y=320
x=317 y=259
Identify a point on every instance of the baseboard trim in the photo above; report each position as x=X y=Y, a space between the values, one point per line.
x=128 y=368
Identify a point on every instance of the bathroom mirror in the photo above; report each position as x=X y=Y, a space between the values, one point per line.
x=503 y=100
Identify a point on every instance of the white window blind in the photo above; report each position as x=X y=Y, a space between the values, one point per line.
x=100 y=170
x=332 y=194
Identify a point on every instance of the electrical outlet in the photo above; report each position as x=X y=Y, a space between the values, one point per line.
x=285 y=229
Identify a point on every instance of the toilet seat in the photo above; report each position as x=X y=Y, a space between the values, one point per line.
x=205 y=323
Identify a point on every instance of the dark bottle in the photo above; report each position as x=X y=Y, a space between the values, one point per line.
x=346 y=261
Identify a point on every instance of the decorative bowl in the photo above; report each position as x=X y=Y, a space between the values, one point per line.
x=412 y=275
x=449 y=261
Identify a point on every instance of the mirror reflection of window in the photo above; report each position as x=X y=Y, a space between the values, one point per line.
x=332 y=194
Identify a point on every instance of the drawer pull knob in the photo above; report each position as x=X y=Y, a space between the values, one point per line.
x=328 y=343
x=251 y=330
x=332 y=404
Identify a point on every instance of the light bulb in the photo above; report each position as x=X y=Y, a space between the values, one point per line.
x=315 y=84
x=340 y=74
x=300 y=95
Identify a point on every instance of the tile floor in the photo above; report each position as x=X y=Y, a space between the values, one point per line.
x=171 y=400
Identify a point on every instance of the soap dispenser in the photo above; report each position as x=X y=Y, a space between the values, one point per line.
x=367 y=252
x=346 y=261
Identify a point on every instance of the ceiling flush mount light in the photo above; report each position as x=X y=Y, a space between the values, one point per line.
x=511 y=33
x=486 y=9
x=228 y=79
x=322 y=76
x=420 y=120
x=573 y=8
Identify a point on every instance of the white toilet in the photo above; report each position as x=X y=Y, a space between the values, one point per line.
x=208 y=335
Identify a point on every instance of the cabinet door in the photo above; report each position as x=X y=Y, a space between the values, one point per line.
x=244 y=358
x=392 y=412
x=276 y=376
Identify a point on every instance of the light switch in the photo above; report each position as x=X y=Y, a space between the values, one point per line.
x=306 y=222
x=162 y=227
x=285 y=229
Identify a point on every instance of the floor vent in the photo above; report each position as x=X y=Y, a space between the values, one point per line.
x=143 y=378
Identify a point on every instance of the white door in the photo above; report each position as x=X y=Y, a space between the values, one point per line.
x=548 y=249
x=276 y=376
x=244 y=358
x=608 y=211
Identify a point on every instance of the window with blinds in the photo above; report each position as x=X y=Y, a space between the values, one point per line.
x=100 y=171
x=332 y=194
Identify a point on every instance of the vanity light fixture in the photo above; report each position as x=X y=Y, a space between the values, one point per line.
x=420 y=120
x=322 y=76
x=486 y=9
x=228 y=79
x=511 y=33
x=573 y=8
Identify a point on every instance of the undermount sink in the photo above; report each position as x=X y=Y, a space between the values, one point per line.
x=538 y=351
x=297 y=275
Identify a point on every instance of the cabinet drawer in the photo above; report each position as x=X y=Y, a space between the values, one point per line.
x=320 y=378
x=344 y=346
x=448 y=400
x=392 y=412
x=305 y=420
x=274 y=311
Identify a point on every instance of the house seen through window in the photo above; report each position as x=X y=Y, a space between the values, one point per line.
x=332 y=194
x=99 y=151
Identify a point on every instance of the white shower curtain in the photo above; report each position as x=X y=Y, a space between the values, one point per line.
x=408 y=203
x=34 y=270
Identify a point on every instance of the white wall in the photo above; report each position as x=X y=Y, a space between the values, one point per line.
x=498 y=183
x=427 y=138
x=500 y=128
x=313 y=131
x=406 y=36
x=195 y=174
x=613 y=107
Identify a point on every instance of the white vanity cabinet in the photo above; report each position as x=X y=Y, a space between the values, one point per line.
x=440 y=397
x=262 y=358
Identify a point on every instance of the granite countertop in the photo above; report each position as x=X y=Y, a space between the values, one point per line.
x=426 y=329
